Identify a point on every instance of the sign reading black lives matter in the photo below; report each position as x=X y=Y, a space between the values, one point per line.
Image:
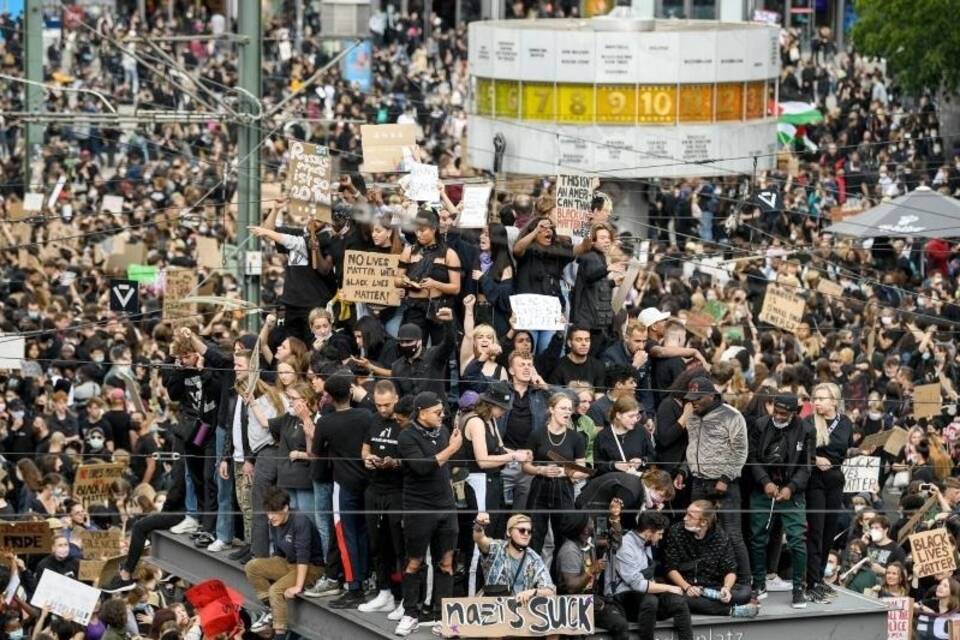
x=574 y=195
x=308 y=180
x=505 y=616
x=368 y=277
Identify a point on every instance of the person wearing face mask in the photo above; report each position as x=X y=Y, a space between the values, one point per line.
x=781 y=452
x=59 y=560
x=420 y=368
x=881 y=550
x=96 y=442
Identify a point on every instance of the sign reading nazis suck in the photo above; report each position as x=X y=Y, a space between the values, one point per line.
x=503 y=616
x=368 y=277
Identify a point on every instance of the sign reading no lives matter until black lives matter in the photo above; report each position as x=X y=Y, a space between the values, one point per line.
x=504 y=616
x=368 y=277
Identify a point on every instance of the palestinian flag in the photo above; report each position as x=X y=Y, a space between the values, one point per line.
x=798 y=113
x=789 y=136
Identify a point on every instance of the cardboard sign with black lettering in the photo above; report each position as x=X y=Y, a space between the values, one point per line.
x=933 y=553
x=574 y=195
x=861 y=473
x=504 y=616
x=93 y=481
x=368 y=277
x=125 y=296
x=830 y=288
x=782 y=308
x=26 y=538
x=100 y=545
x=178 y=283
x=386 y=146
x=927 y=400
x=899 y=618
x=309 y=180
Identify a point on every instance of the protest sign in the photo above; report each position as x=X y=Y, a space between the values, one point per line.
x=112 y=204
x=732 y=333
x=26 y=538
x=12 y=351
x=421 y=183
x=932 y=553
x=476 y=197
x=574 y=195
x=143 y=273
x=699 y=323
x=627 y=285
x=896 y=441
x=309 y=180
x=178 y=283
x=65 y=597
x=93 y=481
x=535 y=312
x=90 y=570
x=500 y=617
x=123 y=254
x=899 y=618
x=782 y=308
x=15 y=210
x=208 y=253
x=931 y=506
x=716 y=309
x=861 y=473
x=385 y=146
x=830 y=288
x=99 y=545
x=368 y=277
x=927 y=400
x=33 y=202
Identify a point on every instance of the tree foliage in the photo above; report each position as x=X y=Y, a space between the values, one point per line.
x=918 y=38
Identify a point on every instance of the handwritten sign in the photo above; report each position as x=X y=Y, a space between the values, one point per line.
x=899 y=618
x=90 y=570
x=536 y=312
x=386 y=146
x=178 y=283
x=368 y=277
x=932 y=553
x=309 y=180
x=861 y=473
x=99 y=545
x=574 y=195
x=421 y=183
x=892 y=440
x=501 y=617
x=112 y=204
x=782 y=308
x=475 y=200
x=93 y=481
x=926 y=400
x=66 y=597
x=830 y=288
x=33 y=202
x=26 y=538
x=208 y=253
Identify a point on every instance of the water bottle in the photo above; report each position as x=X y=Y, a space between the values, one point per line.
x=711 y=594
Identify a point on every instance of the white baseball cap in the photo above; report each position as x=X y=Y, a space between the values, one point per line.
x=651 y=315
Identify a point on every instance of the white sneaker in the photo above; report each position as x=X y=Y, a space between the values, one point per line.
x=322 y=588
x=217 y=546
x=396 y=614
x=262 y=623
x=777 y=584
x=383 y=603
x=406 y=626
x=187 y=525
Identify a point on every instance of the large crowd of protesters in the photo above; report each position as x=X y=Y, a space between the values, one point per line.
x=382 y=458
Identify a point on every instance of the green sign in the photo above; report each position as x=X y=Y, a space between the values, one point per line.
x=142 y=273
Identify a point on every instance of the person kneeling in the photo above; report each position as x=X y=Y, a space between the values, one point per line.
x=298 y=560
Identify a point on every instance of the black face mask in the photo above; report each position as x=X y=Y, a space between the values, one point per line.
x=518 y=547
x=407 y=351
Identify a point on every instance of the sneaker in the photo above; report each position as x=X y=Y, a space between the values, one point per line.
x=383 y=603
x=187 y=525
x=799 y=601
x=396 y=614
x=828 y=590
x=119 y=585
x=814 y=596
x=203 y=541
x=406 y=626
x=745 y=611
x=776 y=584
x=760 y=594
x=240 y=553
x=349 y=600
x=263 y=622
x=323 y=588
x=217 y=546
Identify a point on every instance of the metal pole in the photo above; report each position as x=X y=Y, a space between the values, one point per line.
x=249 y=170
x=33 y=71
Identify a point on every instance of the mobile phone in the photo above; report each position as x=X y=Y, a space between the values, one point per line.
x=926 y=486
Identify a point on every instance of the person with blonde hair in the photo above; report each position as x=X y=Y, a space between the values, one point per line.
x=479 y=353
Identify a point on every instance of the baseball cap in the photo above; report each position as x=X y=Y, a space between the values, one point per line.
x=651 y=315
x=425 y=400
x=699 y=387
x=786 y=402
x=497 y=394
x=409 y=331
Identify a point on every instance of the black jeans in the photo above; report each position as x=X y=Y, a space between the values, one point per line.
x=264 y=475
x=824 y=501
x=549 y=498
x=201 y=464
x=385 y=528
x=728 y=515
x=741 y=594
x=172 y=514
x=649 y=608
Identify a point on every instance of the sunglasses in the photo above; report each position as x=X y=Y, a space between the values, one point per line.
x=524 y=531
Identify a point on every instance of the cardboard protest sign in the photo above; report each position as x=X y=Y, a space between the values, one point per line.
x=830 y=288
x=932 y=505
x=368 y=277
x=65 y=597
x=99 y=545
x=535 y=312
x=26 y=538
x=476 y=198
x=699 y=323
x=932 y=553
x=896 y=441
x=309 y=180
x=732 y=332
x=208 y=253
x=899 y=618
x=178 y=284
x=123 y=254
x=385 y=146
x=927 y=400
x=33 y=202
x=421 y=183
x=861 y=473
x=15 y=210
x=12 y=351
x=501 y=617
x=624 y=288
x=574 y=195
x=90 y=570
x=92 y=482
x=782 y=308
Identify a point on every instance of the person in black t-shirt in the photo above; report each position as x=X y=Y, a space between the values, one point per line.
x=552 y=487
x=578 y=364
x=428 y=498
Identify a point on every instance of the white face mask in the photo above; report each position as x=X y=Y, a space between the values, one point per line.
x=876 y=535
x=829 y=570
x=781 y=425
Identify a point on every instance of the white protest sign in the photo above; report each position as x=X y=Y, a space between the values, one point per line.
x=12 y=350
x=861 y=473
x=537 y=313
x=574 y=197
x=33 y=202
x=112 y=204
x=422 y=182
x=57 y=189
x=475 y=199
x=66 y=597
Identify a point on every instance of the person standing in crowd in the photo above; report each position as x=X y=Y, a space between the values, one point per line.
x=620 y=381
x=421 y=368
x=527 y=412
x=630 y=351
x=592 y=301
x=578 y=363
x=624 y=446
